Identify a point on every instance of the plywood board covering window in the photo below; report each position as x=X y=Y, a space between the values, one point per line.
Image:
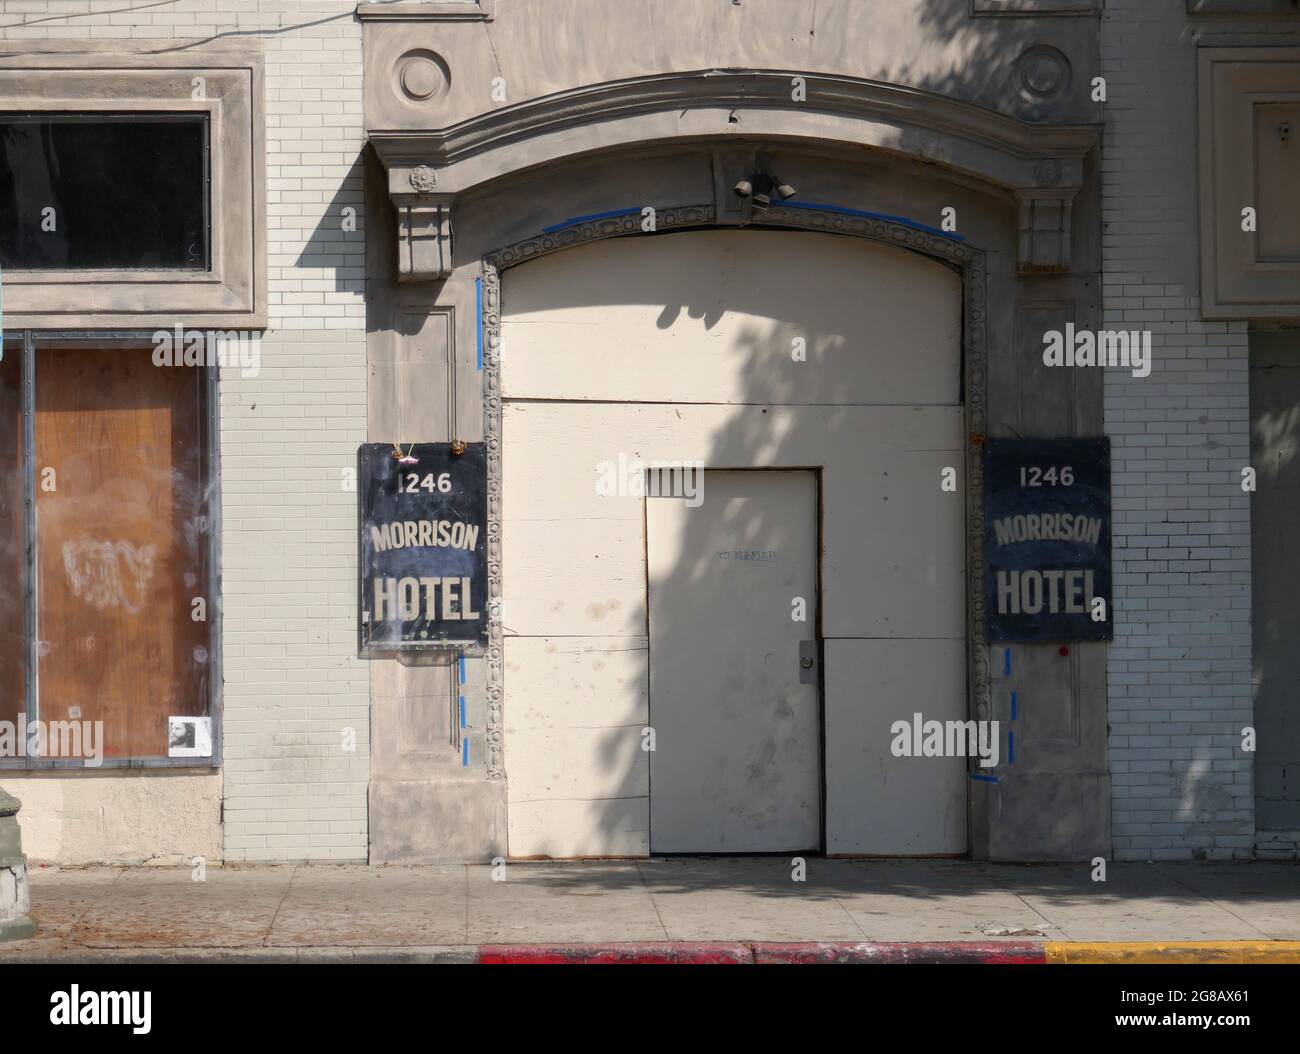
x=122 y=554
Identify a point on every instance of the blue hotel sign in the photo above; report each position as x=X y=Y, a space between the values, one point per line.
x=1047 y=544
x=422 y=546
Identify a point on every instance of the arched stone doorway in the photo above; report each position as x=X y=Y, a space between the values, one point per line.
x=868 y=159
x=817 y=383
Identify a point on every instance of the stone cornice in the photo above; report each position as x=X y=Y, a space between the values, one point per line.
x=1040 y=164
x=997 y=148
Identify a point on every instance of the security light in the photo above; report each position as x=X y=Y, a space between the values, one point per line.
x=761 y=189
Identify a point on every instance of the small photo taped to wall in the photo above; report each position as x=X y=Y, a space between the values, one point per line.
x=189 y=737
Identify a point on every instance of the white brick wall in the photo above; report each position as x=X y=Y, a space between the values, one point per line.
x=293 y=682
x=1180 y=667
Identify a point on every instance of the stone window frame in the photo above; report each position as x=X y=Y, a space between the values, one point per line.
x=79 y=78
x=1234 y=283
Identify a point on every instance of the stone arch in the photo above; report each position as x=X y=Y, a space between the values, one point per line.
x=1042 y=165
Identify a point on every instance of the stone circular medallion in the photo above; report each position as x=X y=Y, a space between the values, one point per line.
x=1042 y=73
x=421 y=75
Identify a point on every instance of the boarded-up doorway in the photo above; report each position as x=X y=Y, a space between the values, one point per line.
x=734 y=702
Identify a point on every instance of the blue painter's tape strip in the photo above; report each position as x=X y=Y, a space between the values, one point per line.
x=1011 y=748
x=462 y=711
x=464 y=753
x=1015 y=699
x=1006 y=662
x=461 y=664
x=982 y=778
x=478 y=313
x=842 y=210
x=588 y=218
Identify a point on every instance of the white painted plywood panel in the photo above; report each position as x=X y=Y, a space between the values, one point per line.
x=894 y=540
x=576 y=764
x=574 y=711
x=878 y=804
x=574 y=563
x=565 y=829
x=711 y=316
x=576 y=682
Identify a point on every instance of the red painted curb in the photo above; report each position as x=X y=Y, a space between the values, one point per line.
x=766 y=953
x=931 y=952
x=730 y=954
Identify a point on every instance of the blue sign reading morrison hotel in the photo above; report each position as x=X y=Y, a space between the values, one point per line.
x=1047 y=547
x=423 y=545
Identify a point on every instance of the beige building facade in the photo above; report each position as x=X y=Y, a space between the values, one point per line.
x=739 y=297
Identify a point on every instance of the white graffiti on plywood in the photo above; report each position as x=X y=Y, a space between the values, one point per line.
x=109 y=574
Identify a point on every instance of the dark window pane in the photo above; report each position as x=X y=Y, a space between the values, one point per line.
x=127 y=191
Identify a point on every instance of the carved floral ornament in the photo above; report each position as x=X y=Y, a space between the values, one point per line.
x=422 y=179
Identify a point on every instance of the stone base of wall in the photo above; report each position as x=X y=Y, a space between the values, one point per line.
x=116 y=817
x=1277 y=845
x=451 y=820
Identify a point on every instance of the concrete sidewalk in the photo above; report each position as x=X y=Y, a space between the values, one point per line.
x=301 y=913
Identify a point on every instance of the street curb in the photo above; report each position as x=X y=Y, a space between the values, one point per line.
x=463 y=954
x=767 y=953
x=681 y=952
x=1222 y=952
x=1026 y=952
x=736 y=953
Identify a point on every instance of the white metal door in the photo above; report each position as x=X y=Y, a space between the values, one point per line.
x=737 y=759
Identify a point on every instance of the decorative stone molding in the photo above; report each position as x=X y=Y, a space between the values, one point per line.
x=839 y=112
x=421 y=75
x=1042 y=74
x=1046 y=215
x=423 y=180
x=973 y=265
x=847 y=112
x=423 y=232
x=491 y=322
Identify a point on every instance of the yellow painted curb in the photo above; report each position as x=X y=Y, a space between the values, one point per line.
x=1173 y=952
